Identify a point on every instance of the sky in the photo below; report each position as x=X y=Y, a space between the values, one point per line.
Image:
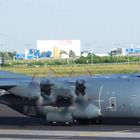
x=100 y=24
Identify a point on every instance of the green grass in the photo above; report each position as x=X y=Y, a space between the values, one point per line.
x=76 y=70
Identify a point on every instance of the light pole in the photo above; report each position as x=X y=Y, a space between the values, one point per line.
x=91 y=58
x=89 y=47
x=0 y=61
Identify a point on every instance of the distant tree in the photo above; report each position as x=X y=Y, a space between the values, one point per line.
x=11 y=54
x=72 y=53
x=63 y=52
x=7 y=55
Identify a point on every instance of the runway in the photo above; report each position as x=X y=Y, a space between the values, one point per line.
x=16 y=126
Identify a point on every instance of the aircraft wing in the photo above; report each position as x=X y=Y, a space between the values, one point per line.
x=56 y=92
x=7 y=87
x=10 y=80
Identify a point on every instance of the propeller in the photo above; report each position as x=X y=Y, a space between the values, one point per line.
x=45 y=87
x=79 y=96
x=89 y=72
x=80 y=87
x=56 y=92
x=26 y=89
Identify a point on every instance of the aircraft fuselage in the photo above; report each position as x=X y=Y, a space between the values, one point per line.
x=102 y=96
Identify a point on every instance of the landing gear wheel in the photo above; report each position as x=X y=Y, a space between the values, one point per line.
x=97 y=121
x=84 y=121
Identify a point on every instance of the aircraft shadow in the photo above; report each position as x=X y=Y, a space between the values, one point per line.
x=28 y=123
x=12 y=120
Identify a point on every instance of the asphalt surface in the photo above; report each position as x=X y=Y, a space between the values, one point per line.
x=16 y=126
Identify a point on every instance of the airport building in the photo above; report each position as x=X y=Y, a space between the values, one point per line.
x=131 y=51
x=126 y=51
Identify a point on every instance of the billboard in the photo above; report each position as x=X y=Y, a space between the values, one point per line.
x=60 y=48
x=32 y=53
x=20 y=56
x=44 y=54
x=131 y=51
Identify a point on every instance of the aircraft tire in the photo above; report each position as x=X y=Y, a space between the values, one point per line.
x=84 y=121
x=97 y=121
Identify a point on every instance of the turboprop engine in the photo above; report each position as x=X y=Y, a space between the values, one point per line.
x=68 y=101
x=56 y=94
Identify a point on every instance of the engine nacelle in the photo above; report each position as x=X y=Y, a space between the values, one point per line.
x=59 y=117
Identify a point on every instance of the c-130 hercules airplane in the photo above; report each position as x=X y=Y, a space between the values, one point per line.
x=72 y=99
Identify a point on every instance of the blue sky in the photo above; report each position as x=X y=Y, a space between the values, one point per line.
x=99 y=24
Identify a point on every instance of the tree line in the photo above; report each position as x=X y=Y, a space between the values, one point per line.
x=7 y=55
x=7 y=60
x=93 y=59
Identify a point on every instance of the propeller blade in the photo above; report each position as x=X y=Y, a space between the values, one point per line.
x=26 y=90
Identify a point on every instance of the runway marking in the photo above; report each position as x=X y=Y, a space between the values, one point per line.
x=95 y=134
x=112 y=134
x=88 y=135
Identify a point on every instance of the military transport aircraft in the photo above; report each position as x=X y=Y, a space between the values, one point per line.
x=72 y=99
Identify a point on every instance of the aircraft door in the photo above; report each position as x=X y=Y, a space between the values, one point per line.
x=112 y=104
